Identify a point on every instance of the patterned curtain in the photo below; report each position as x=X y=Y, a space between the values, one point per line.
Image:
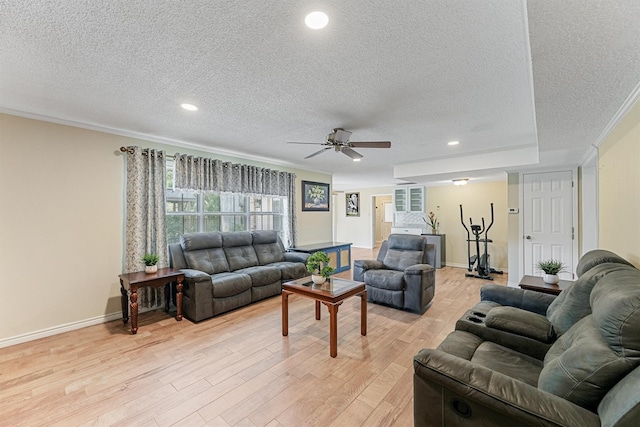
x=204 y=174
x=145 y=217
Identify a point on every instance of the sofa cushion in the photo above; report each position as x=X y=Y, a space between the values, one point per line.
x=229 y=284
x=404 y=251
x=573 y=303
x=596 y=257
x=262 y=275
x=581 y=367
x=203 y=251
x=268 y=247
x=385 y=279
x=290 y=270
x=508 y=362
x=610 y=336
x=521 y=322
x=238 y=249
x=615 y=303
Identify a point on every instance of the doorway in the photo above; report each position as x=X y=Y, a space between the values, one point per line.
x=548 y=220
x=383 y=218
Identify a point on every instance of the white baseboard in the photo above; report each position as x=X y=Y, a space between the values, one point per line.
x=55 y=330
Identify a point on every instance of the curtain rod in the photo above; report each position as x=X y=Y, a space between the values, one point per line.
x=130 y=150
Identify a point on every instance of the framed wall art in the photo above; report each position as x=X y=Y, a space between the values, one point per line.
x=353 y=204
x=315 y=196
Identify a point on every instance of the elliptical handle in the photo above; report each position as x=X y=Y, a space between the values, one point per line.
x=462 y=221
x=487 y=230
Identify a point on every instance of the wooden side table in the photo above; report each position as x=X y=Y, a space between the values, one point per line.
x=130 y=282
x=535 y=283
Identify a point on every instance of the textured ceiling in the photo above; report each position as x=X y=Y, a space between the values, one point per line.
x=503 y=77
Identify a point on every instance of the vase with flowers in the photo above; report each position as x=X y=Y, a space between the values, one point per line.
x=432 y=222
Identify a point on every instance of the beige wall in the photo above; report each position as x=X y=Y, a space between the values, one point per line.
x=357 y=230
x=475 y=199
x=62 y=224
x=619 y=189
x=445 y=202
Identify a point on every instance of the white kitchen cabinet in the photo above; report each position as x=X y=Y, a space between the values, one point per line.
x=408 y=199
x=407 y=230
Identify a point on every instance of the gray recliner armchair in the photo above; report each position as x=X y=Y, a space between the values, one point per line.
x=402 y=276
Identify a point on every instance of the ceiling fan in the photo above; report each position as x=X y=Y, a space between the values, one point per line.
x=339 y=141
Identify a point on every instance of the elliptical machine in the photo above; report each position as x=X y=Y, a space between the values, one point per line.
x=482 y=260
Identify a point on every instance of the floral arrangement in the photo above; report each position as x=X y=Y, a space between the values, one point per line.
x=432 y=221
x=316 y=192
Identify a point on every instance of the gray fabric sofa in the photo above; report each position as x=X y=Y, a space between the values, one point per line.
x=521 y=319
x=224 y=271
x=402 y=276
x=589 y=376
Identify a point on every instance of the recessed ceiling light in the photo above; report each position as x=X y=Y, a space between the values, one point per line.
x=189 y=107
x=453 y=142
x=460 y=181
x=316 y=20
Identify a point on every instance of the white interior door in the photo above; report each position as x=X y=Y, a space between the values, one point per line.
x=548 y=220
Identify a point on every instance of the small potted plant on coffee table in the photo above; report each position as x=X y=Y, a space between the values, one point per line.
x=318 y=266
x=150 y=262
x=551 y=268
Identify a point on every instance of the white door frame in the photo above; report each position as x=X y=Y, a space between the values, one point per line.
x=574 y=207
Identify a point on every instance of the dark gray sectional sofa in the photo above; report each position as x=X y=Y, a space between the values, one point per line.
x=224 y=271
x=572 y=360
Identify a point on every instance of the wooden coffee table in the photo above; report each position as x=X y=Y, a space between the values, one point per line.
x=535 y=283
x=331 y=293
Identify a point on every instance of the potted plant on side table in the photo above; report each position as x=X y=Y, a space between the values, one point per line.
x=551 y=268
x=150 y=262
x=318 y=266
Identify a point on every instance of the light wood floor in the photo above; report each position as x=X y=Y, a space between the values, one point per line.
x=235 y=369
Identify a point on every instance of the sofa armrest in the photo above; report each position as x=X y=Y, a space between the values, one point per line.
x=445 y=385
x=360 y=266
x=419 y=281
x=297 y=256
x=536 y=302
x=197 y=295
x=195 y=275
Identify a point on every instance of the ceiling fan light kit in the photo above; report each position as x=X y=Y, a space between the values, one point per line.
x=339 y=141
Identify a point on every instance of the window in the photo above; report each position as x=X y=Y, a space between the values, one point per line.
x=189 y=212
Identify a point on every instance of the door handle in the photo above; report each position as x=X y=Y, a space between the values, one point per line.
x=528 y=237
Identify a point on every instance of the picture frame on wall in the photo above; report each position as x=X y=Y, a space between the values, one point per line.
x=315 y=196
x=353 y=204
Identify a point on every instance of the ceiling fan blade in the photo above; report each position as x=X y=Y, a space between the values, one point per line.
x=310 y=143
x=351 y=153
x=371 y=144
x=317 y=152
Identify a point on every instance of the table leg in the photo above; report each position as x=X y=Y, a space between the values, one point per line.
x=179 y=300
x=317 y=310
x=134 y=309
x=333 y=327
x=285 y=313
x=363 y=313
x=124 y=303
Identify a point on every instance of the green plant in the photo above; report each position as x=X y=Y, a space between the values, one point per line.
x=150 y=259
x=551 y=266
x=317 y=263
